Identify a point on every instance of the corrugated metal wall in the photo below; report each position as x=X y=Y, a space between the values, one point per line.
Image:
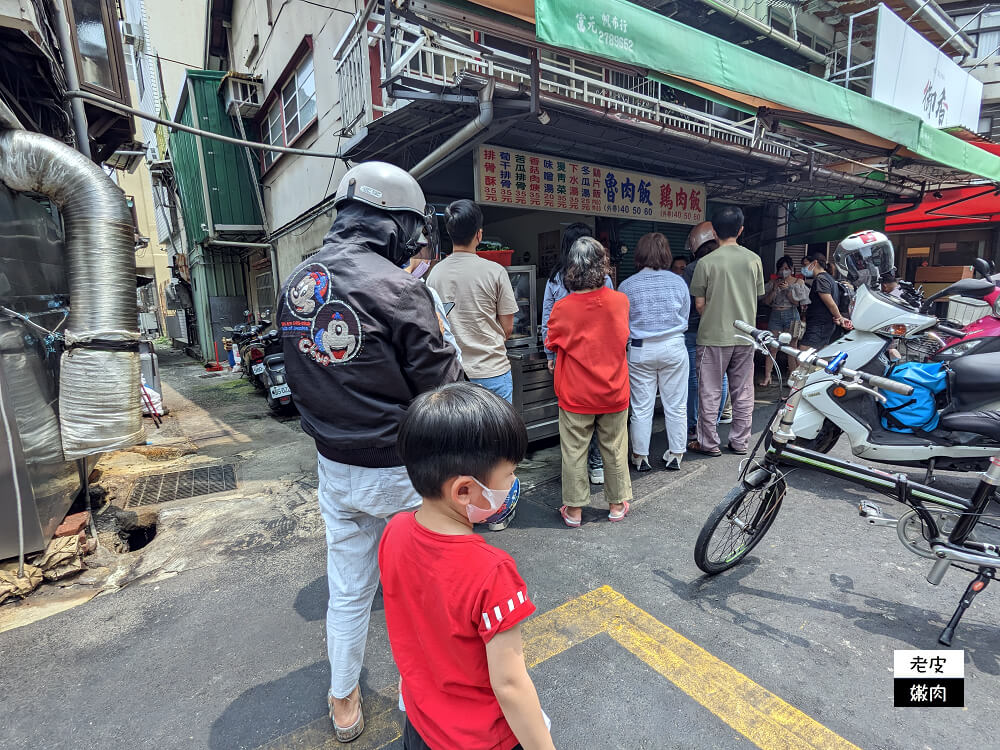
x=230 y=182
x=629 y=233
x=184 y=153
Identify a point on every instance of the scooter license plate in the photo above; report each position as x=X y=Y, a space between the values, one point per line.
x=258 y=369
x=277 y=391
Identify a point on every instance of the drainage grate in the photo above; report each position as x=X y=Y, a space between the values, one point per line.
x=181 y=485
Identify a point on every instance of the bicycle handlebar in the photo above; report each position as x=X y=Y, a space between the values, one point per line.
x=764 y=338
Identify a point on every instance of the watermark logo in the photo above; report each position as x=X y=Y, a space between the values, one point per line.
x=929 y=679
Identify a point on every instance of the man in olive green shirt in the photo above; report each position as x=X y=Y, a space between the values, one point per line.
x=725 y=286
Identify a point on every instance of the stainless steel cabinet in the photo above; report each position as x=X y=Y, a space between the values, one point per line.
x=522 y=279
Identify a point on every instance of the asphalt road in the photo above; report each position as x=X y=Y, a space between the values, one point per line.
x=232 y=654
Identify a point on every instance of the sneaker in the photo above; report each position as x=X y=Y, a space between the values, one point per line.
x=502 y=523
x=673 y=461
x=726 y=419
x=596 y=474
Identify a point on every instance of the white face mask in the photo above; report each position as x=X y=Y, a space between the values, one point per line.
x=495 y=498
x=785 y=273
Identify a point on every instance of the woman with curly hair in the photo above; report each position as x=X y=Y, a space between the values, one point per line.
x=588 y=331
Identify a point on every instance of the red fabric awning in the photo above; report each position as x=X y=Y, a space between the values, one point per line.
x=956 y=207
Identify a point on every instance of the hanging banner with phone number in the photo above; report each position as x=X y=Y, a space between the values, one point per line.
x=508 y=177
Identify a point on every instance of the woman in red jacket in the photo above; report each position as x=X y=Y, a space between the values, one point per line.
x=588 y=331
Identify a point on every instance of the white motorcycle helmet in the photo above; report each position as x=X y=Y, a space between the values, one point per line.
x=864 y=257
x=393 y=190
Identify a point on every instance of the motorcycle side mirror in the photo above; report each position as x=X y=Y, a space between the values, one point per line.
x=977 y=288
x=983 y=267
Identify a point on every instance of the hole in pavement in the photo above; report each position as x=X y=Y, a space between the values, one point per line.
x=138 y=537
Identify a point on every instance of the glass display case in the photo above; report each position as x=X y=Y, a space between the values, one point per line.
x=522 y=279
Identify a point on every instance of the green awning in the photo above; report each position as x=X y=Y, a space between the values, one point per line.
x=623 y=31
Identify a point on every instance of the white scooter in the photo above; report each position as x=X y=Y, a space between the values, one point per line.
x=828 y=410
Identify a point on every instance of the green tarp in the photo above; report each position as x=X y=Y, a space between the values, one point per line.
x=623 y=31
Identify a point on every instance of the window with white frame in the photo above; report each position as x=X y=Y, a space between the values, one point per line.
x=293 y=110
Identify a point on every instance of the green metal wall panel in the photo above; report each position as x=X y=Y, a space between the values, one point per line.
x=230 y=181
x=629 y=233
x=184 y=154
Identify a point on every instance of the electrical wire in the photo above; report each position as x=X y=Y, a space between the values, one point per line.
x=158 y=56
x=327 y=7
x=196 y=131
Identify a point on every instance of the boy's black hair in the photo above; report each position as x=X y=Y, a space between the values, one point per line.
x=463 y=218
x=728 y=221
x=459 y=429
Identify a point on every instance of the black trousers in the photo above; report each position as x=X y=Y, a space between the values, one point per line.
x=413 y=741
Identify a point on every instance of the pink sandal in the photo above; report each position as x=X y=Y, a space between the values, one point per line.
x=567 y=520
x=613 y=517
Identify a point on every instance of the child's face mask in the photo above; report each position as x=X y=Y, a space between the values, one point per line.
x=495 y=498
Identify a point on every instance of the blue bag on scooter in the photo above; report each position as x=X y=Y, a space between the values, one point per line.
x=918 y=411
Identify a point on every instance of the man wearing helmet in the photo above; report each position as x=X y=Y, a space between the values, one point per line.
x=361 y=340
x=701 y=240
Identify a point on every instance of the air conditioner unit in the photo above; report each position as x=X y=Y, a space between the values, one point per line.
x=132 y=34
x=243 y=95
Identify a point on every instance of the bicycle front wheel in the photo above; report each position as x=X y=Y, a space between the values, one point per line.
x=737 y=524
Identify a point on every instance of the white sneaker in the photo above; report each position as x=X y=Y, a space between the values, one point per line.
x=596 y=474
x=726 y=419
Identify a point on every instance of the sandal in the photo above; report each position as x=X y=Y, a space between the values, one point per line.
x=735 y=450
x=613 y=517
x=695 y=446
x=351 y=733
x=573 y=524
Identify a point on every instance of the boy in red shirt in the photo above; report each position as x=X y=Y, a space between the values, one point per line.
x=589 y=332
x=453 y=603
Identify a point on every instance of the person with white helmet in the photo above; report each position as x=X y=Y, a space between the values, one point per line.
x=361 y=340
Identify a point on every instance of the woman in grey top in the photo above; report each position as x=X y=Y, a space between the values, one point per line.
x=555 y=290
x=659 y=303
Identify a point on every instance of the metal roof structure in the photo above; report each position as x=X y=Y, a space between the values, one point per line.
x=549 y=99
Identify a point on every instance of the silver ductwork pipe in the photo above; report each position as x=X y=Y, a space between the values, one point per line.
x=99 y=397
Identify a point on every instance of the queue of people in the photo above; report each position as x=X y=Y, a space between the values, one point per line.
x=377 y=360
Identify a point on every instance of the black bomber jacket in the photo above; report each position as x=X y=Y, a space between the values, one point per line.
x=361 y=340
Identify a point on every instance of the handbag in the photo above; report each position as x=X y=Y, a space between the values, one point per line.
x=798 y=329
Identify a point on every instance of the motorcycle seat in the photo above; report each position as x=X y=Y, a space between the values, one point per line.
x=274 y=359
x=975 y=373
x=986 y=423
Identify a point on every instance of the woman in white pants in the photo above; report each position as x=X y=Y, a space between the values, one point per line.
x=659 y=303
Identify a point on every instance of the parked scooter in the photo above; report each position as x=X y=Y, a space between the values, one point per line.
x=826 y=412
x=253 y=349
x=983 y=335
x=276 y=388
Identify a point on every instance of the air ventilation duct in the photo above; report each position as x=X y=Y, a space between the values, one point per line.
x=99 y=396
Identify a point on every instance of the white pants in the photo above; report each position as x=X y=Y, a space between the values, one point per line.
x=663 y=363
x=355 y=502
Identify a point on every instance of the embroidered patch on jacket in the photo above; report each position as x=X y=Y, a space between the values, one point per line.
x=335 y=336
x=309 y=291
x=328 y=330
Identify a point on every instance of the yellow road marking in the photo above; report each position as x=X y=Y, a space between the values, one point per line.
x=756 y=713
